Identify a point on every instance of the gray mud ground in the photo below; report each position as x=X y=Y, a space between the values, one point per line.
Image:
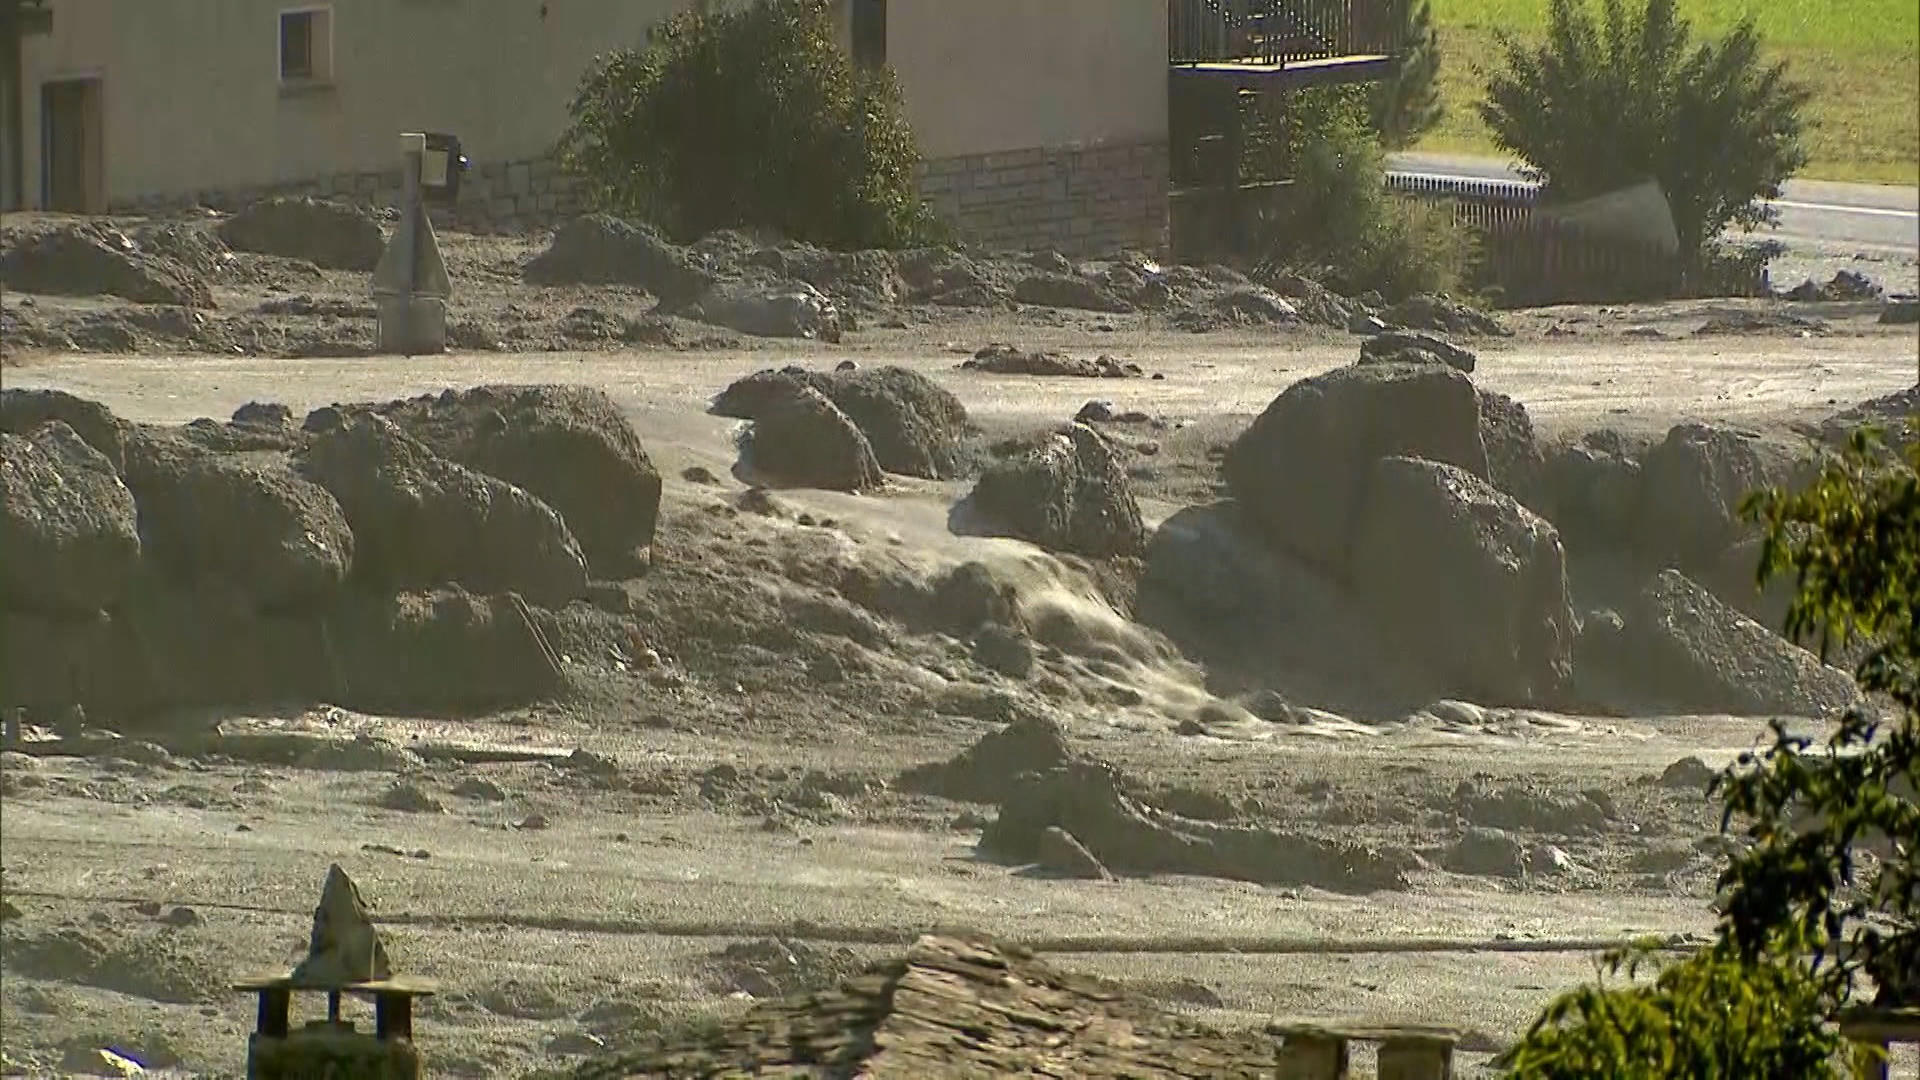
x=558 y=906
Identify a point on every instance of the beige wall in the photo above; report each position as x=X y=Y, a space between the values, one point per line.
x=193 y=99
x=986 y=75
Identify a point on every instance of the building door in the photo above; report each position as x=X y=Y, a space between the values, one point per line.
x=72 y=169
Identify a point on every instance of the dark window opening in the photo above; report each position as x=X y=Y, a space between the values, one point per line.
x=869 y=33
x=296 y=45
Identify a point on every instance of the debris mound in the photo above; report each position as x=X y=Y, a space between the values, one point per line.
x=986 y=772
x=1445 y=315
x=1691 y=486
x=805 y=440
x=1067 y=493
x=67 y=524
x=331 y=235
x=770 y=309
x=421 y=521
x=1012 y=360
x=23 y=410
x=1091 y=802
x=1411 y=347
x=1514 y=457
x=90 y=259
x=1845 y=285
x=600 y=249
x=568 y=446
x=952 y=1007
x=916 y=427
x=1069 y=290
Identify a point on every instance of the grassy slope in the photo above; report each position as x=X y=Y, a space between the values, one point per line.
x=1860 y=57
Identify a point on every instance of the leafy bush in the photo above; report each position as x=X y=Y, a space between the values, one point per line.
x=1338 y=223
x=1599 y=107
x=1828 y=887
x=748 y=116
x=1406 y=104
x=1711 y=1014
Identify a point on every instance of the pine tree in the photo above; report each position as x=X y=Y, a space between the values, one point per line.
x=1406 y=104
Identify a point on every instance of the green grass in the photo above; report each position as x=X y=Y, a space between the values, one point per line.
x=1861 y=59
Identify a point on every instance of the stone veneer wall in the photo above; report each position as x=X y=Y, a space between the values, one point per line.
x=1078 y=200
x=1084 y=200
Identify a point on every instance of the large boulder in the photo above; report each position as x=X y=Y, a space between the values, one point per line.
x=1681 y=649
x=1302 y=470
x=1692 y=485
x=1590 y=490
x=330 y=235
x=1466 y=579
x=67 y=525
x=1514 y=458
x=277 y=540
x=805 y=440
x=569 y=446
x=1066 y=493
x=21 y=411
x=442 y=651
x=916 y=427
x=91 y=259
x=600 y=249
x=420 y=521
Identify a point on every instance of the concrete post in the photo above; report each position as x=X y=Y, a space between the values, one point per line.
x=410 y=286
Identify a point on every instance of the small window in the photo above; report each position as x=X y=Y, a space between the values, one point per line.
x=306 y=42
x=869 y=33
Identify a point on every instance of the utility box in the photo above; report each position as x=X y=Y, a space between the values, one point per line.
x=441 y=166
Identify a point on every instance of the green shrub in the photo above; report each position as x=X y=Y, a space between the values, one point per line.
x=1711 y=1014
x=1406 y=104
x=748 y=116
x=1338 y=223
x=1601 y=106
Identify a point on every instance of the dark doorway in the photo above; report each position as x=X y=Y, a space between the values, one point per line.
x=72 y=174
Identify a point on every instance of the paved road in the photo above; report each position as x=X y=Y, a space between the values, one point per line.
x=1869 y=219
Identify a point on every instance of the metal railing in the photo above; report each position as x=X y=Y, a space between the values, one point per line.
x=1280 y=32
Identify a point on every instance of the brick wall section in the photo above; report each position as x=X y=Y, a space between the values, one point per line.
x=1079 y=200
x=1086 y=200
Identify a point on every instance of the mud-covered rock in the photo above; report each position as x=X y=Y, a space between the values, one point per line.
x=420 y=521
x=23 y=410
x=331 y=235
x=1302 y=470
x=1001 y=359
x=1069 y=290
x=1068 y=493
x=1445 y=315
x=569 y=446
x=969 y=596
x=803 y=439
x=777 y=309
x=1683 y=650
x=446 y=650
x=1487 y=853
x=1092 y=802
x=1468 y=580
x=916 y=427
x=88 y=258
x=248 y=523
x=987 y=771
x=1412 y=347
x=1514 y=457
x=67 y=524
x=1590 y=492
x=599 y=249
x=1692 y=485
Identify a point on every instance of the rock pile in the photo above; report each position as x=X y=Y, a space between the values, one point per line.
x=951 y=1007
x=251 y=562
x=1067 y=492
x=915 y=427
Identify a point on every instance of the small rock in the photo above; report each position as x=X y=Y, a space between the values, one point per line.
x=699 y=474
x=409 y=799
x=1689 y=773
x=575 y=1042
x=846 y=365
x=531 y=823
x=1488 y=852
x=1094 y=412
x=1001 y=649
x=97 y=1061
x=182 y=917
x=474 y=787
x=1061 y=854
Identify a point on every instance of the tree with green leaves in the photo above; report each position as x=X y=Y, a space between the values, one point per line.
x=1601 y=105
x=749 y=116
x=1406 y=104
x=1827 y=886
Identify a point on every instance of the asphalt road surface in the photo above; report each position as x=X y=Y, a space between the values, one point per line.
x=1867 y=219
